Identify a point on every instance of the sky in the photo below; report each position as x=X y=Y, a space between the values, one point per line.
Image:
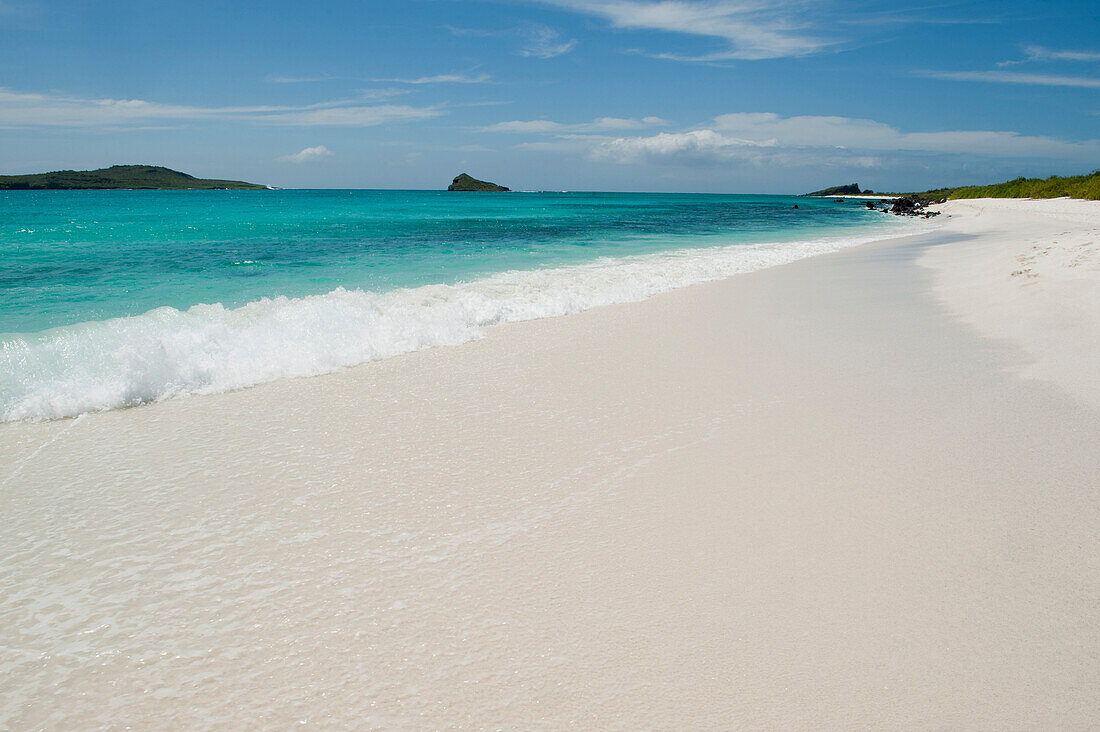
x=725 y=96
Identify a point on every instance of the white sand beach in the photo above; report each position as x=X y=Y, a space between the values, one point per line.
x=1031 y=276
x=854 y=491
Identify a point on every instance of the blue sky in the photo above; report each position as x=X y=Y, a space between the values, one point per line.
x=715 y=95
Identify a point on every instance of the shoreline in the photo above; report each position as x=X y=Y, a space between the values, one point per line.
x=885 y=197
x=167 y=352
x=805 y=496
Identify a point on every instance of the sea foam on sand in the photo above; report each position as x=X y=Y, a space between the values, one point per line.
x=209 y=348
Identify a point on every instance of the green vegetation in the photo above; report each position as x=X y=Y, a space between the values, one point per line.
x=117 y=176
x=1080 y=186
x=852 y=189
x=464 y=182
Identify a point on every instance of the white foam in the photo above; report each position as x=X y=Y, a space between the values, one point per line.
x=208 y=348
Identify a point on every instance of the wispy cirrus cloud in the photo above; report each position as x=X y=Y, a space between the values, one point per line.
x=535 y=39
x=749 y=29
x=276 y=79
x=600 y=124
x=542 y=41
x=350 y=116
x=916 y=15
x=434 y=79
x=1042 y=53
x=307 y=155
x=444 y=79
x=29 y=109
x=1016 y=77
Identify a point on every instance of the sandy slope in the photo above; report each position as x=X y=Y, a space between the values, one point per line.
x=1030 y=275
x=806 y=497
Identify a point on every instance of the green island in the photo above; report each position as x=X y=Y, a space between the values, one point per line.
x=142 y=177
x=1079 y=186
x=852 y=189
x=464 y=182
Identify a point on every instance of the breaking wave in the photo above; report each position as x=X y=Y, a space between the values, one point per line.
x=208 y=348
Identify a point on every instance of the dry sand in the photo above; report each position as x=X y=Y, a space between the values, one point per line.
x=1029 y=273
x=808 y=497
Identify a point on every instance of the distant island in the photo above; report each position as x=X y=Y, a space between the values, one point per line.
x=465 y=182
x=852 y=189
x=145 y=177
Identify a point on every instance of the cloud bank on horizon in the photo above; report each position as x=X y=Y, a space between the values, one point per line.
x=700 y=95
x=307 y=155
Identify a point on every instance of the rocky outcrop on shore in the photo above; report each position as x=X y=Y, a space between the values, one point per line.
x=908 y=206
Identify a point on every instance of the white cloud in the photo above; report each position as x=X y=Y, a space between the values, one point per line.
x=307 y=155
x=1041 y=53
x=916 y=15
x=765 y=138
x=543 y=126
x=799 y=140
x=545 y=42
x=444 y=79
x=619 y=123
x=1012 y=77
x=525 y=127
x=577 y=144
x=21 y=109
x=865 y=134
x=750 y=29
x=536 y=40
x=374 y=95
x=473 y=32
x=702 y=144
x=807 y=130
x=354 y=116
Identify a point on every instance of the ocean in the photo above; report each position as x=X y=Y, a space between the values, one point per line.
x=115 y=298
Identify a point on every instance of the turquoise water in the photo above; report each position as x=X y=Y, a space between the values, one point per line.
x=113 y=298
x=71 y=256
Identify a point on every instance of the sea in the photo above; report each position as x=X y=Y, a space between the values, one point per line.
x=112 y=299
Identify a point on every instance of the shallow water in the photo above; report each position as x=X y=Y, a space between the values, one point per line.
x=114 y=298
